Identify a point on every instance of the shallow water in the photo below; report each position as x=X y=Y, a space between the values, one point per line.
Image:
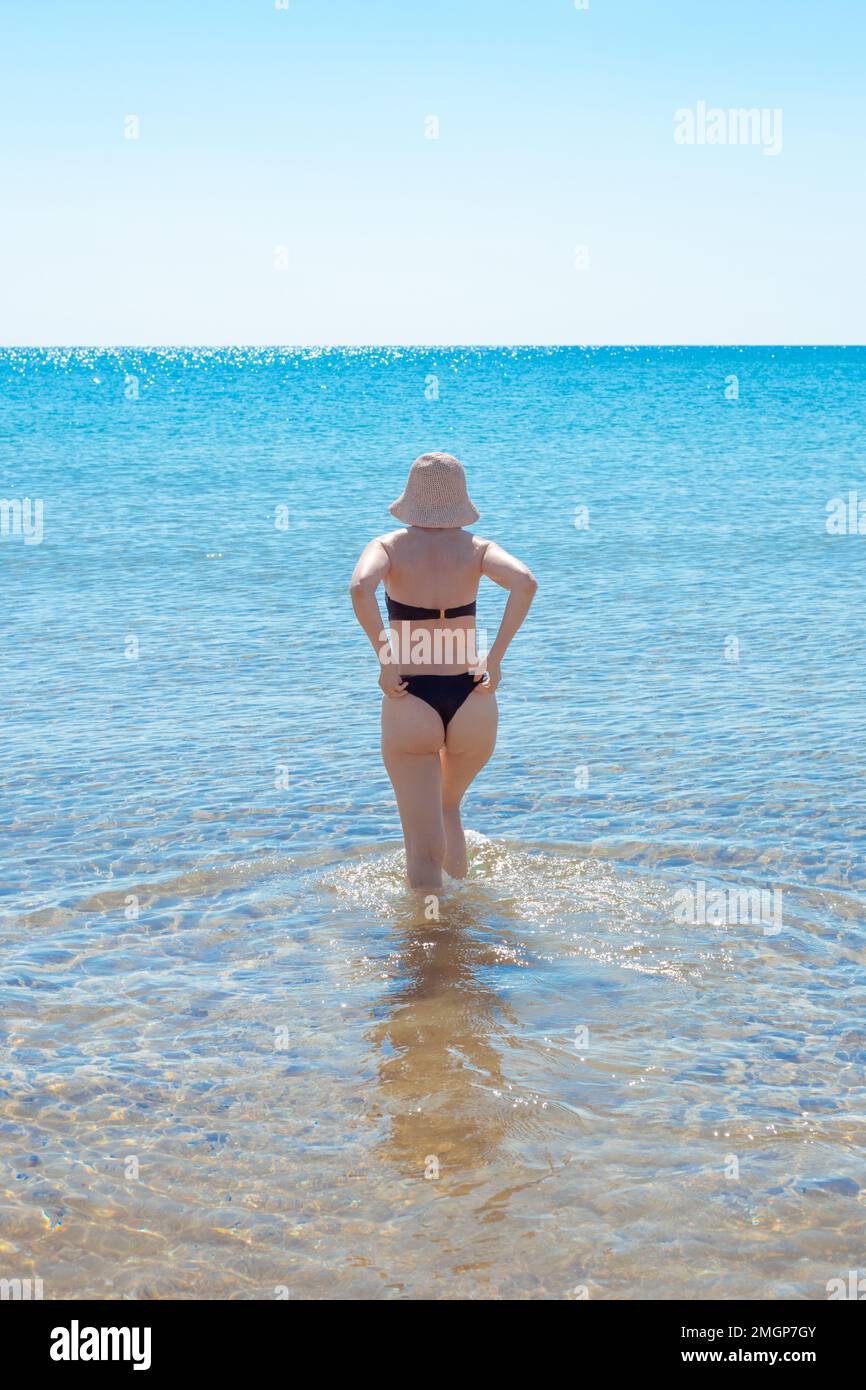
x=236 y=1058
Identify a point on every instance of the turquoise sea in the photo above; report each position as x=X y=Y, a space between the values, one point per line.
x=235 y=1060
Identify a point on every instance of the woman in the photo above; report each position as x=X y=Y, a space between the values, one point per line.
x=439 y=713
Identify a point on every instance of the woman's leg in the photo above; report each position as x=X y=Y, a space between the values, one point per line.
x=470 y=742
x=412 y=735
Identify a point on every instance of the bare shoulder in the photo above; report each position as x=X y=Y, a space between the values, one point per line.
x=505 y=569
x=479 y=545
x=389 y=538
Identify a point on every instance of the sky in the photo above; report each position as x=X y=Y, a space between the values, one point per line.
x=218 y=172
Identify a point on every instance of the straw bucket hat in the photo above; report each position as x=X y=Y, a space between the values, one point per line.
x=435 y=494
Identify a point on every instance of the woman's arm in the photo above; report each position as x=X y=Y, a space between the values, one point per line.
x=521 y=584
x=367 y=575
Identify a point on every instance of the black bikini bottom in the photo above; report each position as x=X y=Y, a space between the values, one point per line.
x=445 y=694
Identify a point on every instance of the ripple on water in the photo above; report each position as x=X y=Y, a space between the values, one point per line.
x=236 y=1046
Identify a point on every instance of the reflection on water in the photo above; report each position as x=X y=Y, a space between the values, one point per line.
x=440 y=1044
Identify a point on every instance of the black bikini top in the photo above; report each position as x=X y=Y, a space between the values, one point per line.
x=405 y=610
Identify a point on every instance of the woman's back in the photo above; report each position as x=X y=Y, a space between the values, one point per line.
x=433 y=569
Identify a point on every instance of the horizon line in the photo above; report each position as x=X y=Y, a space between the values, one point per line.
x=417 y=347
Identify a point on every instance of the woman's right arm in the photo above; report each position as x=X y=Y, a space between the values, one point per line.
x=511 y=574
x=371 y=569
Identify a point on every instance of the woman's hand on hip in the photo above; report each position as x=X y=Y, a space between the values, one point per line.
x=391 y=682
x=489 y=674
